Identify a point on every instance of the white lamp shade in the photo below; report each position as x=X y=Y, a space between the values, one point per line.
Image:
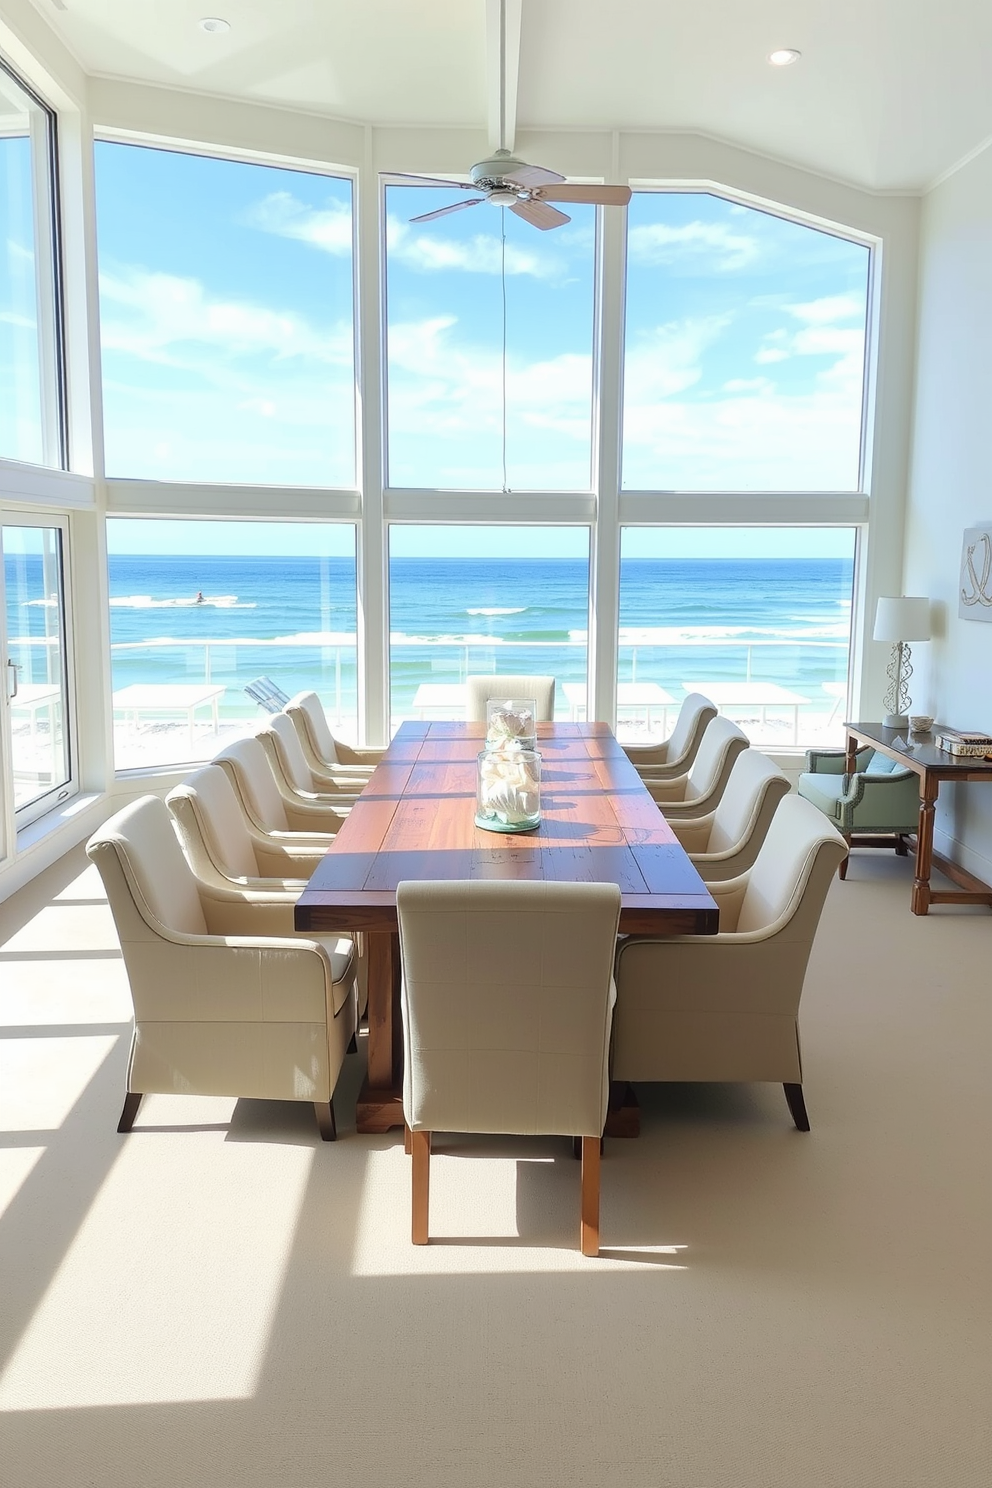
x=904 y=619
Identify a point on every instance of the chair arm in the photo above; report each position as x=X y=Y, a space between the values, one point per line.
x=307 y=816
x=249 y=913
x=366 y=758
x=276 y=861
x=334 y=780
x=666 y=790
x=834 y=761
x=231 y=979
x=693 y=833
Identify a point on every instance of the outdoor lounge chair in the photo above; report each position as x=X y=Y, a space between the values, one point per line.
x=267 y=694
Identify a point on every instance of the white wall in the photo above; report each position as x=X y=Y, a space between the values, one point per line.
x=951 y=478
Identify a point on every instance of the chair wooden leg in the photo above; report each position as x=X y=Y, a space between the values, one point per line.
x=420 y=1148
x=797 y=1106
x=131 y=1103
x=589 y=1227
x=324 y=1111
x=407 y=1139
x=842 y=870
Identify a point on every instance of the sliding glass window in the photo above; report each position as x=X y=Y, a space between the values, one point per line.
x=33 y=631
x=227 y=320
x=201 y=610
x=758 y=619
x=480 y=600
x=745 y=349
x=31 y=380
x=490 y=336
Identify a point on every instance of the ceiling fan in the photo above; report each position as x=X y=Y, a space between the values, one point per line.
x=502 y=178
x=526 y=189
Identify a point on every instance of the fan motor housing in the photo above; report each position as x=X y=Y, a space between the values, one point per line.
x=492 y=171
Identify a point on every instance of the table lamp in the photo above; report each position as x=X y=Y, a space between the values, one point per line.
x=900 y=620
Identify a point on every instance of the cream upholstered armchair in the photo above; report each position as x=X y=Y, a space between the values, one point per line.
x=676 y=754
x=269 y=810
x=726 y=1006
x=217 y=1012
x=726 y=841
x=698 y=792
x=479 y=690
x=294 y=777
x=325 y=754
x=224 y=850
x=507 y=998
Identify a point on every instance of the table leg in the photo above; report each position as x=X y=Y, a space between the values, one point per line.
x=380 y=1104
x=924 y=846
x=851 y=758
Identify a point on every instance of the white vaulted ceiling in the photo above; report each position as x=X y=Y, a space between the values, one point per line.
x=889 y=94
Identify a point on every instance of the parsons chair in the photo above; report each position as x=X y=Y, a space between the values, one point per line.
x=507 y=1000
x=218 y=1011
x=726 y=1006
x=479 y=690
x=324 y=754
x=675 y=755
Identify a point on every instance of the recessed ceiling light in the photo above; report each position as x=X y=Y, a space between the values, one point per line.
x=214 y=24
x=784 y=57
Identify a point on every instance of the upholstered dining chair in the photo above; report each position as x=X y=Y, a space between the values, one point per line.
x=479 y=690
x=726 y=1006
x=876 y=806
x=675 y=755
x=269 y=810
x=324 y=754
x=507 y=997
x=222 y=847
x=216 y=1011
x=698 y=792
x=294 y=776
x=726 y=841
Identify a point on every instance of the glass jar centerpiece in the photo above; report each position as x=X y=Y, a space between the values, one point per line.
x=509 y=789
x=511 y=720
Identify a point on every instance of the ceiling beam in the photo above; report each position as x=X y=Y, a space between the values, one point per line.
x=502 y=70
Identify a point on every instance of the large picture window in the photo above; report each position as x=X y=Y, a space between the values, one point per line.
x=477 y=600
x=227 y=320
x=758 y=619
x=198 y=610
x=31 y=412
x=745 y=349
x=462 y=412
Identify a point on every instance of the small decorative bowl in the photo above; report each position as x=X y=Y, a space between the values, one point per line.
x=920 y=723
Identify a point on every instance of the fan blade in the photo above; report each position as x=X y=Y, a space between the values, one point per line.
x=443 y=211
x=532 y=175
x=602 y=196
x=540 y=215
x=432 y=181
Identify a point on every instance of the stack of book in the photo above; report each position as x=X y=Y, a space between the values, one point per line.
x=962 y=742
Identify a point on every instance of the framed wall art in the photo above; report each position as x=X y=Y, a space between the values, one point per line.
x=975 y=590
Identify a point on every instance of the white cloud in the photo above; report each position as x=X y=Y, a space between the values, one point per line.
x=148 y=315
x=659 y=243
x=771 y=354
x=282 y=214
x=669 y=359
x=747 y=384
x=478 y=255
x=829 y=308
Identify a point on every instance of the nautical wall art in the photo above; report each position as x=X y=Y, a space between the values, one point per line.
x=975 y=592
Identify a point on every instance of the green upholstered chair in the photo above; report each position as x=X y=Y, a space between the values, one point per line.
x=876 y=806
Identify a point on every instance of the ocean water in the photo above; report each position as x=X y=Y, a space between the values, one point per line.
x=293 y=619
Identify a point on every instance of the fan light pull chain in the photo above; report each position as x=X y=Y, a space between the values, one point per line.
x=502 y=280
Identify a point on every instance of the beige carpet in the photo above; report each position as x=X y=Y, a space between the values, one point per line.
x=222 y=1300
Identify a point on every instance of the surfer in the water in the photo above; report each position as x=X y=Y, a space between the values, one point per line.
x=199 y=597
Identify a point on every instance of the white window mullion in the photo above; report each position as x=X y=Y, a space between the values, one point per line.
x=605 y=576
x=373 y=626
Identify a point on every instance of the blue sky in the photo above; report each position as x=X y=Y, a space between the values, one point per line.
x=226 y=308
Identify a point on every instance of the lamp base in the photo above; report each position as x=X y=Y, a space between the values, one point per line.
x=895 y=720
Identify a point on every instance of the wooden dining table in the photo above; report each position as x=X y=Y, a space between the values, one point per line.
x=416 y=820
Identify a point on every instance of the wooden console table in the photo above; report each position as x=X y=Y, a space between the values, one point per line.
x=932 y=765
